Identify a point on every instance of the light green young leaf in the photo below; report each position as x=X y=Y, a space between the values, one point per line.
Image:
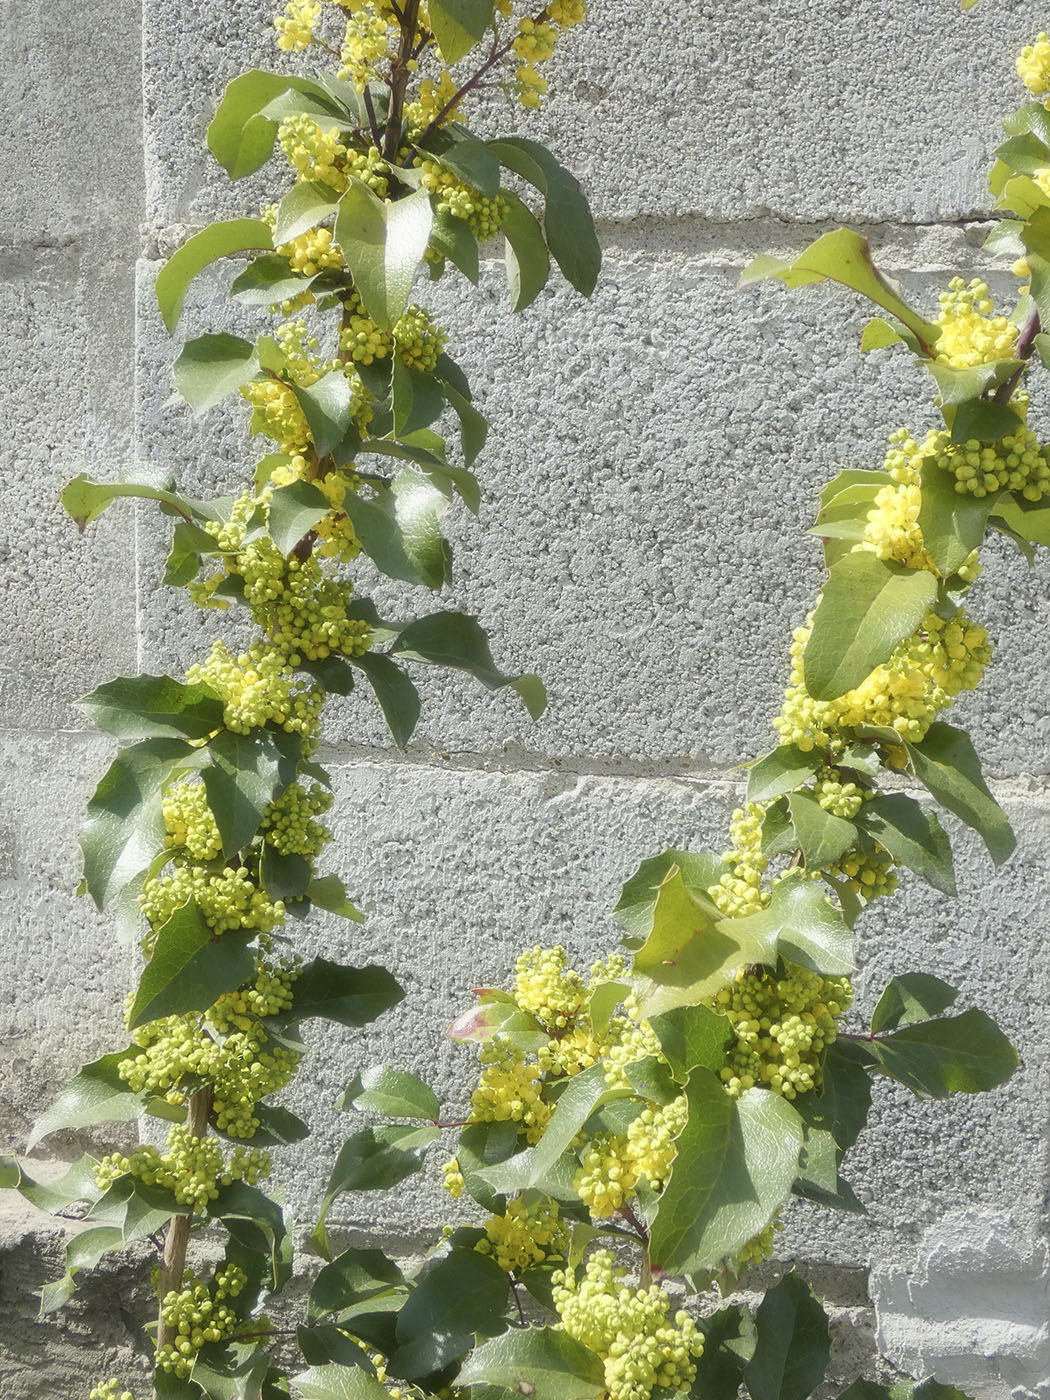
x=189 y=968
x=307 y=204
x=634 y=910
x=455 y=640
x=241 y=138
x=267 y=280
x=868 y=605
x=912 y=835
x=352 y=1277
x=542 y=1363
x=822 y=836
x=793 y=1343
x=946 y=763
x=216 y=241
x=781 y=771
x=458 y=25
x=85 y=500
x=365 y=1163
x=844 y=256
x=400 y=529
x=383 y=245
x=213 y=366
x=734 y=1169
x=329 y=894
x=95 y=1094
x=334 y=1382
x=392 y=1092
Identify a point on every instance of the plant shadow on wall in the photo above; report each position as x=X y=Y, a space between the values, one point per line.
x=635 y=1131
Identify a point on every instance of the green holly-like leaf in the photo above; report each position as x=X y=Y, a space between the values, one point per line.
x=729 y=1342
x=914 y=996
x=329 y=893
x=691 y=952
x=82 y=1252
x=334 y=1382
x=567 y=222
x=1021 y=519
x=452 y=238
x=426 y=450
x=735 y=1166
x=136 y=1209
x=801 y=925
x=692 y=1036
x=793 y=1343
x=392 y=1092
x=398 y=698
x=946 y=763
x=85 y=500
x=461 y=1295
x=400 y=529
x=634 y=910
x=844 y=256
x=367 y=1161
x=352 y=1277
x=473 y=426
x=124 y=827
x=455 y=640
x=822 y=836
x=213 y=366
x=351 y=996
x=294 y=510
x=965 y=1054
x=95 y=1094
x=149 y=707
x=528 y=262
x=216 y=241
x=283 y=876
x=417 y=399
x=326 y=408
x=189 y=968
x=241 y=137
x=383 y=245
x=242 y=775
x=539 y=1363
x=867 y=606
x=458 y=25
x=483 y=1145
x=912 y=835
x=780 y=772
x=952 y=522
x=278 y=1127
x=983 y=420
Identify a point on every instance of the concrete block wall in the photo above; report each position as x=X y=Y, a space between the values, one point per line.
x=653 y=463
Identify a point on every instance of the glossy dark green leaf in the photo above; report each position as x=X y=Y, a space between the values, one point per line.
x=216 y=241
x=95 y=1094
x=540 y=1363
x=278 y=1127
x=212 y=367
x=447 y=478
x=326 y=408
x=792 y=1346
x=82 y=1252
x=398 y=698
x=148 y=707
x=567 y=221
x=822 y=837
x=417 y=399
x=965 y=1054
x=188 y=544
x=452 y=238
x=867 y=606
x=781 y=771
x=527 y=259
x=242 y=775
x=294 y=510
x=952 y=522
x=323 y=1345
x=947 y=764
x=735 y=1166
x=801 y=925
x=395 y=1093
x=352 y=996
x=983 y=420
x=914 y=996
x=136 y=1209
x=352 y=1277
x=461 y=1295
x=400 y=529
x=365 y=1163
x=189 y=968
x=691 y=1036
x=455 y=640
x=483 y=1145
x=284 y=876
x=383 y=245
x=582 y=1096
x=912 y=835
x=124 y=827
x=729 y=1341
x=473 y=426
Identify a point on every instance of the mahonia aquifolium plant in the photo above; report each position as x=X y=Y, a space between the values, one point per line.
x=636 y=1130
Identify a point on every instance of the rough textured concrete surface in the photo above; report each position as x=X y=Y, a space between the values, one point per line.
x=652 y=468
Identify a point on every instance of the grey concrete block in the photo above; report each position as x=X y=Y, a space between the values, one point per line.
x=655 y=458
x=807 y=110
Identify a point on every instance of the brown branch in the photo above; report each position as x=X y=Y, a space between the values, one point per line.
x=377 y=135
x=1025 y=346
x=174 y=1263
x=399 y=74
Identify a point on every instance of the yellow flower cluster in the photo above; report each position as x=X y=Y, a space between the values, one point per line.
x=295 y=27
x=509 y=1090
x=612 y=1164
x=1033 y=65
x=527 y=1233
x=739 y=890
x=304 y=613
x=190 y=821
x=483 y=215
x=192 y=1169
x=227 y=899
x=547 y=987
x=969 y=334
x=535 y=43
x=922 y=677
x=781 y=1027
x=313 y=153
x=431 y=102
x=198 y=1315
x=841 y=799
x=259 y=687
x=641 y=1348
x=366 y=44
